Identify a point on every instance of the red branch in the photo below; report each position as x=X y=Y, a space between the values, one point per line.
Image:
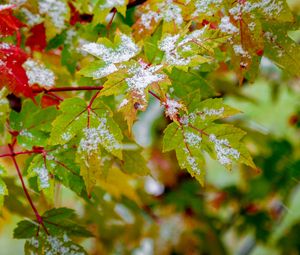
x=64 y=89
x=37 y=215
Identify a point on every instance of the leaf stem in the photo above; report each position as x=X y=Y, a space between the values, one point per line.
x=64 y=89
x=37 y=215
x=20 y=153
x=153 y=94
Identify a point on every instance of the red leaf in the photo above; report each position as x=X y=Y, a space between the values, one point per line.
x=12 y=74
x=8 y=23
x=48 y=100
x=75 y=15
x=37 y=39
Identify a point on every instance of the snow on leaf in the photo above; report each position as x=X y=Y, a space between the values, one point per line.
x=52 y=245
x=103 y=7
x=151 y=13
x=142 y=76
x=190 y=49
x=223 y=150
x=206 y=7
x=38 y=74
x=3 y=188
x=56 y=10
x=227 y=27
x=43 y=177
x=172 y=108
x=110 y=55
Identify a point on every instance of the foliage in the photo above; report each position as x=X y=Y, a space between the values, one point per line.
x=77 y=78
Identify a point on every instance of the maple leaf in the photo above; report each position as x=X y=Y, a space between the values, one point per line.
x=197 y=131
x=12 y=73
x=134 y=80
x=172 y=13
x=37 y=39
x=8 y=23
x=103 y=8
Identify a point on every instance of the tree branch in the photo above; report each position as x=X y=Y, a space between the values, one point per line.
x=37 y=215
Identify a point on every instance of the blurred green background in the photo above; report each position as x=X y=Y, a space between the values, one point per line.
x=238 y=212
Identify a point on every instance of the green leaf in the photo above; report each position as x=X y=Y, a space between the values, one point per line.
x=62 y=220
x=54 y=245
x=33 y=124
x=135 y=163
x=72 y=120
x=103 y=7
x=110 y=53
x=282 y=50
x=3 y=188
x=90 y=167
x=196 y=132
x=172 y=137
x=25 y=229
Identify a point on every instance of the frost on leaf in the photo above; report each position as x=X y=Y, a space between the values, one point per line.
x=206 y=7
x=43 y=177
x=56 y=10
x=154 y=12
x=52 y=245
x=172 y=108
x=94 y=137
x=103 y=8
x=196 y=132
x=110 y=55
x=223 y=150
x=141 y=76
x=191 y=49
x=134 y=80
x=227 y=27
x=38 y=74
x=3 y=189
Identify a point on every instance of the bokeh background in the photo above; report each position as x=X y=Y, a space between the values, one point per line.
x=240 y=212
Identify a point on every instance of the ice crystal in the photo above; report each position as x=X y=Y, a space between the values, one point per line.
x=56 y=10
x=206 y=7
x=142 y=76
x=227 y=27
x=192 y=139
x=168 y=11
x=32 y=19
x=169 y=46
x=6 y=6
x=109 y=4
x=26 y=133
x=125 y=51
x=268 y=7
x=223 y=150
x=172 y=107
x=211 y=112
x=192 y=162
x=43 y=176
x=38 y=74
x=123 y=103
x=60 y=246
x=94 y=137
